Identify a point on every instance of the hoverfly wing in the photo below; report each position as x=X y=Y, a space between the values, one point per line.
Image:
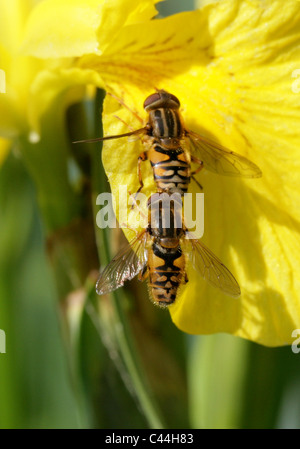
x=211 y=268
x=124 y=266
x=100 y=139
x=221 y=160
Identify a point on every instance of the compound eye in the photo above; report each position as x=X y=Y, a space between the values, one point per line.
x=151 y=99
x=161 y=99
x=174 y=99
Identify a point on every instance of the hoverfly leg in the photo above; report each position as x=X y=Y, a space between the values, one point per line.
x=197 y=161
x=186 y=279
x=143 y=275
x=200 y=163
x=198 y=183
x=142 y=158
x=124 y=123
x=120 y=101
x=125 y=225
x=133 y=132
x=135 y=204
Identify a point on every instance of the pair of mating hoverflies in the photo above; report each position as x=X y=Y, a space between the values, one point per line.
x=160 y=254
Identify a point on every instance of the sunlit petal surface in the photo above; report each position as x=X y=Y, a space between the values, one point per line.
x=74 y=27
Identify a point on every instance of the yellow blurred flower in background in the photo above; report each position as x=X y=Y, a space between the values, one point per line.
x=18 y=71
x=25 y=98
x=230 y=64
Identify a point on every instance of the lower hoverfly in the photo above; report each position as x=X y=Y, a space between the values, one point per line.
x=171 y=148
x=159 y=254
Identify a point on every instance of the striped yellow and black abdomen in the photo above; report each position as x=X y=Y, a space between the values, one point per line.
x=171 y=170
x=166 y=273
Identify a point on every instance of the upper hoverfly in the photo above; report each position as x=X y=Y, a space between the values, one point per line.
x=160 y=253
x=171 y=148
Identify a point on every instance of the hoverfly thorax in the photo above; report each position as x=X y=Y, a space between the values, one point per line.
x=164 y=116
x=166 y=124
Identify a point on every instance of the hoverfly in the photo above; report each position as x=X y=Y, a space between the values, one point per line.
x=171 y=148
x=160 y=254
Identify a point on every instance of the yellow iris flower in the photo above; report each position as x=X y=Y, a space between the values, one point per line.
x=233 y=65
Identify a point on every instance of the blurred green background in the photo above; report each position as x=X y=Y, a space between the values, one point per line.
x=214 y=381
x=228 y=382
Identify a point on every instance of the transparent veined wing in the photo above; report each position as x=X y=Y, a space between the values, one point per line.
x=210 y=267
x=221 y=160
x=124 y=266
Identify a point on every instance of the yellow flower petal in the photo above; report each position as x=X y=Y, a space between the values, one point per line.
x=69 y=83
x=150 y=55
x=13 y=17
x=57 y=29
x=19 y=70
x=134 y=51
x=72 y=28
x=201 y=3
x=118 y=14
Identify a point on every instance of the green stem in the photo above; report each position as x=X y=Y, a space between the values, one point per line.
x=121 y=325
x=217 y=400
x=129 y=353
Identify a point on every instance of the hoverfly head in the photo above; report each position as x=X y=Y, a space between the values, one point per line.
x=161 y=99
